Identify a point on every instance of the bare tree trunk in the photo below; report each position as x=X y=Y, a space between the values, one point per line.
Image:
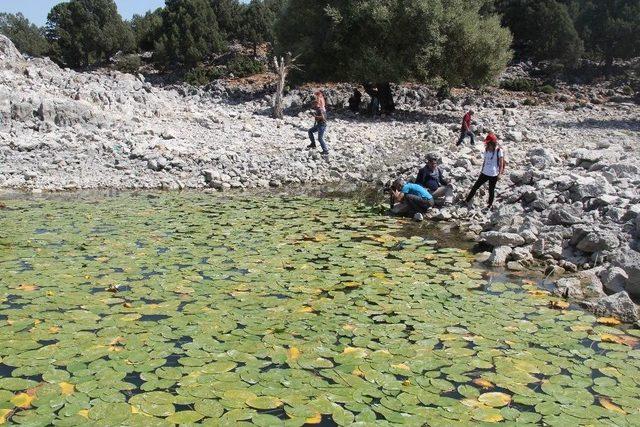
x=282 y=66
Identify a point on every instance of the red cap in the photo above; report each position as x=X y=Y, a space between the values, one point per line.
x=491 y=137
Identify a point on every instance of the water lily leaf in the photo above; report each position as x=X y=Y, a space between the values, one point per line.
x=293 y=353
x=15 y=384
x=4 y=413
x=185 y=417
x=22 y=400
x=66 y=388
x=487 y=415
x=495 y=399
x=483 y=383
x=607 y=404
x=612 y=321
x=314 y=419
x=209 y=408
x=264 y=402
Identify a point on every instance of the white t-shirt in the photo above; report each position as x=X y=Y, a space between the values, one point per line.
x=491 y=165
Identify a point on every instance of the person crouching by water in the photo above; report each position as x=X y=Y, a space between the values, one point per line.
x=432 y=178
x=410 y=199
x=320 y=126
x=492 y=168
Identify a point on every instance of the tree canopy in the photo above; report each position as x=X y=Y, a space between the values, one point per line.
x=27 y=37
x=257 y=24
x=190 y=32
x=542 y=29
x=394 y=40
x=147 y=29
x=610 y=28
x=85 y=32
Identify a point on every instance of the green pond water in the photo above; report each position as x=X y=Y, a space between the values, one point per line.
x=162 y=309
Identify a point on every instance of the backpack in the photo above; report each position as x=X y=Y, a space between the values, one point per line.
x=504 y=158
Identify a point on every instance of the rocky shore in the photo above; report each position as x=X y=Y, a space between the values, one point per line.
x=569 y=199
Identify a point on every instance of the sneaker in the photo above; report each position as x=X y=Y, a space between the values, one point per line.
x=311 y=146
x=418 y=217
x=325 y=153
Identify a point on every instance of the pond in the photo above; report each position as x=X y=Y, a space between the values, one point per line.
x=161 y=309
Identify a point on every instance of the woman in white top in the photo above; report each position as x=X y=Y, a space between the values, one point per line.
x=492 y=168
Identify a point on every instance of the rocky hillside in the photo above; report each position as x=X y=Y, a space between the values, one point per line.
x=570 y=197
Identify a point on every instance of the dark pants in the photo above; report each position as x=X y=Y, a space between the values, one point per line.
x=417 y=204
x=465 y=134
x=493 y=180
x=320 y=128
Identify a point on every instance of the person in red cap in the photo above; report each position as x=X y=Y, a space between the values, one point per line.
x=492 y=168
x=465 y=130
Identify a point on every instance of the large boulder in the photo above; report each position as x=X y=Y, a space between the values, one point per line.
x=619 y=305
x=597 y=241
x=499 y=256
x=569 y=287
x=9 y=55
x=565 y=215
x=614 y=279
x=541 y=158
x=588 y=187
x=498 y=238
x=629 y=260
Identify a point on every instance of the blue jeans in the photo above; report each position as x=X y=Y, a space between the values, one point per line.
x=465 y=134
x=320 y=128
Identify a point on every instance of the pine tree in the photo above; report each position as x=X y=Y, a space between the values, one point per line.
x=189 y=32
x=27 y=37
x=85 y=32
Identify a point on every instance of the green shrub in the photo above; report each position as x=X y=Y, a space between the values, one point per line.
x=548 y=89
x=518 y=85
x=530 y=102
x=243 y=66
x=128 y=64
x=201 y=76
x=627 y=90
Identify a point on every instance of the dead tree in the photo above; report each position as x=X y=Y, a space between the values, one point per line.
x=282 y=66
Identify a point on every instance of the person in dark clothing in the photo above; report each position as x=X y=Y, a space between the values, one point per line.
x=387 y=105
x=432 y=178
x=492 y=168
x=355 y=101
x=375 y=102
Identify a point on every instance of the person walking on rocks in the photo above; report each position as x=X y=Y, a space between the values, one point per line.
x=410 y=199
x=492 y=168
x=432 y=178
x=465 y=130
x=320 y=126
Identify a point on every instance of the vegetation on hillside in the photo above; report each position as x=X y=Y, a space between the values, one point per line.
x=454 y=41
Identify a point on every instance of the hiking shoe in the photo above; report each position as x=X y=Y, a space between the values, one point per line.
x=418 y=217
x=325 y=153
x=311 y=146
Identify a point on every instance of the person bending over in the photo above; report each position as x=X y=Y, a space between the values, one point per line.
x=432 y=178
x=492 y=168
x=410 y=199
